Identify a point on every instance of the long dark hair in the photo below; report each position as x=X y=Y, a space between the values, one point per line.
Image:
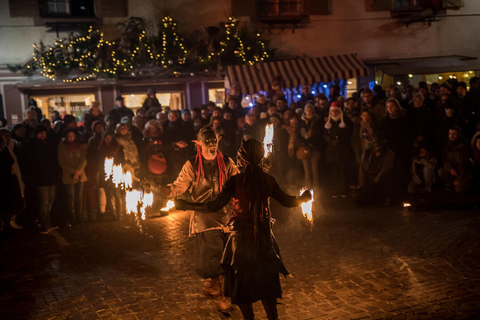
x=250 y=156
x=109 y=150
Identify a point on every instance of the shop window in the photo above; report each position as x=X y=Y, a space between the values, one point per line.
x=461 y=76
x=217 y=96
x=351 y=87
x=74 y=104
x=173 y=100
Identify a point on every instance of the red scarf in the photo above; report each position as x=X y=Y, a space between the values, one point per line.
x=220 y=163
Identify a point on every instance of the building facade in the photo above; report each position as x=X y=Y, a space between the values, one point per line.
x=401 y=41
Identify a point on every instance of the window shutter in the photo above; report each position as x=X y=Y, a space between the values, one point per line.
x=381 y=5
x=26 y=8
x=319 y=7
x=453 y=4
x=243 y=8
x=111 y=9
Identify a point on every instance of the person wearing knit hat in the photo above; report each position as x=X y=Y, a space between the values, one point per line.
x=70 y=121
x=40 y=128
x=337 y=136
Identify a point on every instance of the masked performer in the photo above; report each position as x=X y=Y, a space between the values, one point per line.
x=204 y=176
x=251 y=257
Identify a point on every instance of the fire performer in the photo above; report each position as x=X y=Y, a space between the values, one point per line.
x=251 y=257
x=203 y=176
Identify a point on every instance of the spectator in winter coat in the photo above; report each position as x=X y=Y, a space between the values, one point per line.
x=120 y=110
x=109 y=148
x=456 y=171
x=423 y=170
x=90 y=116
x=420 y=117
x=311 y=142
x=306 y=96
x=375 y=174
x=72 y=161
x=363 y=132
x=252 y=129
x=110 y=124
x=92 y=169
x=337 y=136
x=42 y=173
x=130 y=151
x=375 y=108
x=33 y=104
x=177 y=142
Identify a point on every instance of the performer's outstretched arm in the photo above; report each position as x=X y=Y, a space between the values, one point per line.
x=288 y=200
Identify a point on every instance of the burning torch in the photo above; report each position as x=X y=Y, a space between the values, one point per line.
x=268 y=140
x=307 y=207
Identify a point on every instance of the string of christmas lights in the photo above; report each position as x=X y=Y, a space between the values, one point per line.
x=89 y=55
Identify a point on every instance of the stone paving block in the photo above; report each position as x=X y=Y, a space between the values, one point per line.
x=355 y=264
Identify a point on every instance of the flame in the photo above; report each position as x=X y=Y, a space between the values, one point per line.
x=307 y=207
x=406 y=205
x=170 y=205
x=127 y=179
x=108 y=167
x=117 y=175
x=132 y=199
x=147 y=202
x=268 y=139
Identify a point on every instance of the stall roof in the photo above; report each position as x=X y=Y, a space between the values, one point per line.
x=426 y=65
x=296 y=71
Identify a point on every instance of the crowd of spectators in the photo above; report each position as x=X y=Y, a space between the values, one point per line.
x=376 y=145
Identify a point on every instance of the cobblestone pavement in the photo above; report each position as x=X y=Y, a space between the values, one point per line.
x=377 y=263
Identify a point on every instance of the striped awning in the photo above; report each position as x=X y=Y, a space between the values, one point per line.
x=297 y=71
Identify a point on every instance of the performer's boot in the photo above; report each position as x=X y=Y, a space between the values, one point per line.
x=211 y=287
x=222 y=302
x=270 y=306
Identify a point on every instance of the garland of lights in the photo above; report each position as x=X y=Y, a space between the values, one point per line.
x=94 y=56
x=234 y=42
